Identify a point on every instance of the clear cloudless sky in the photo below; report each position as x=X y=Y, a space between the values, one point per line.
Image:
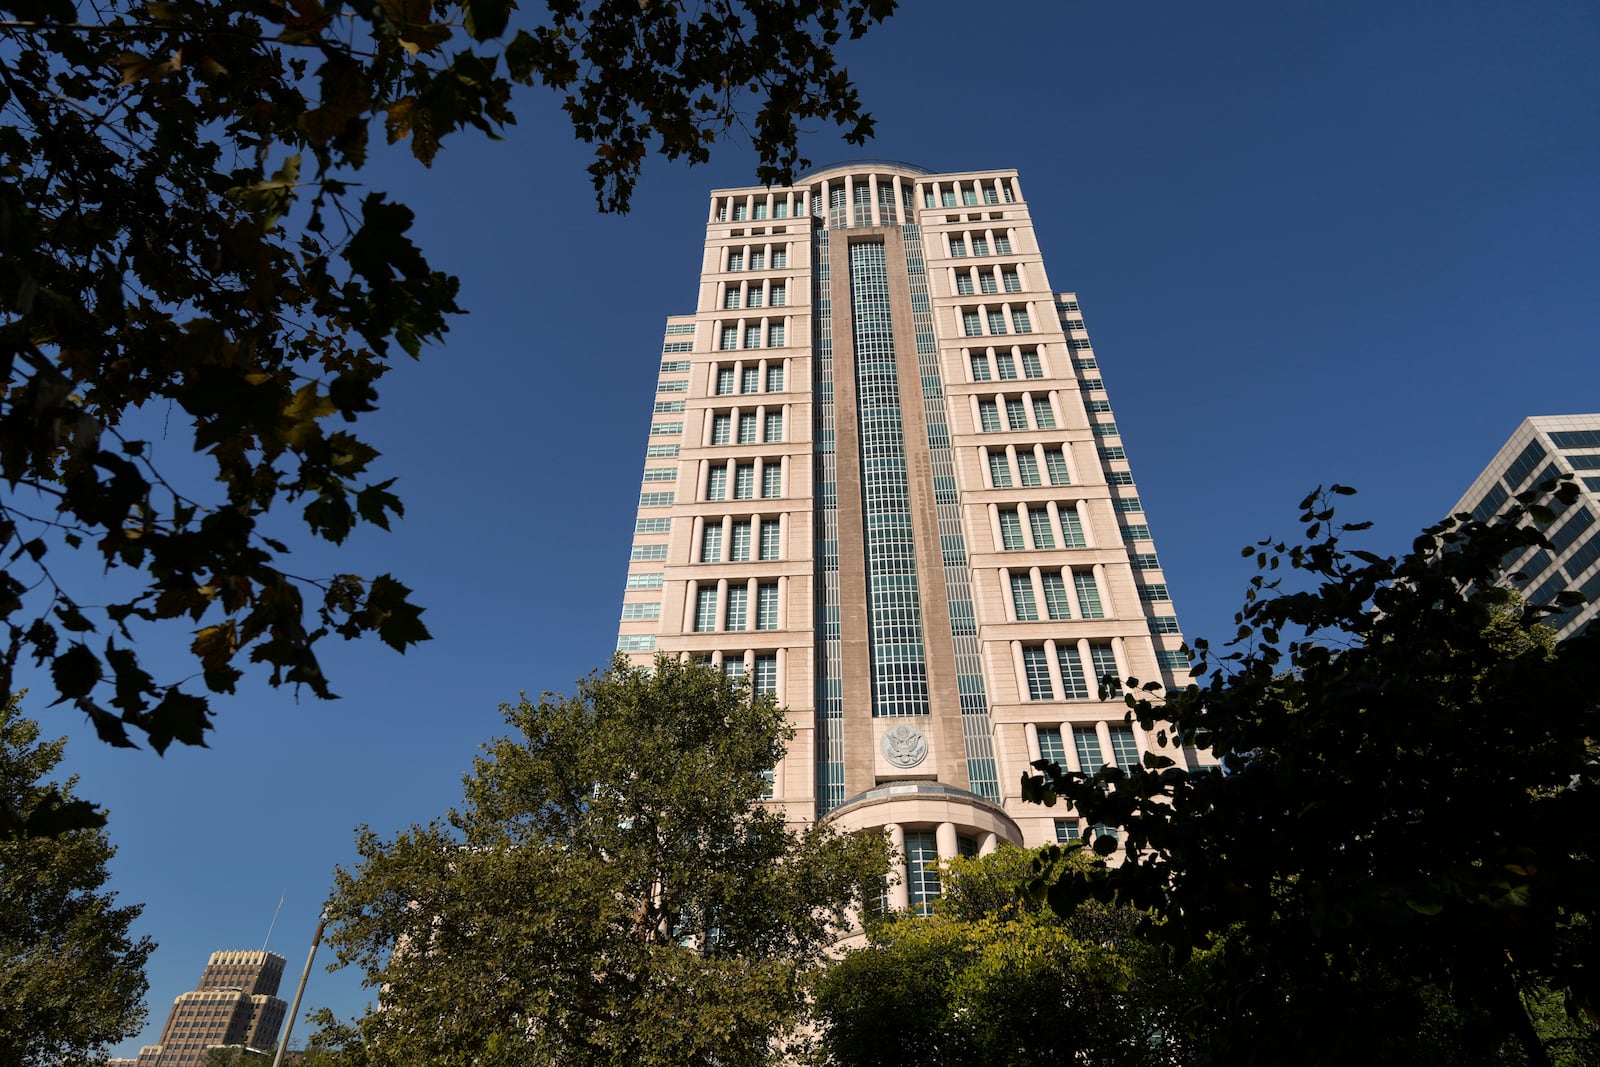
x=1312 y=243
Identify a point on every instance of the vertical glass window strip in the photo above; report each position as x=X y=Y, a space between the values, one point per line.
x=922 y=868
x=1104 y=662
x=744 y=482
x=741 y=542
x=1089 y=754
x=1039 y=524
x=1088 y=595
x=980 y=368
x=1073 y=682
x=1050 y=746
x=766 y=681
x=775 y=379
x=1031 y=367
x=1037 y=670
x=705 y=610
x=769 y=538
x=711 y=543
x=1016 y=414
x=1124 y=751
x=1028 y=467
x=1022 y=597
x=771 y=481
x=750 y=381
x=828 y=692
x=999 y=470
x=1043 y=417
x=997 y=322
x=747 y=428
x=717 y=483
x=738 y=606
x=721 y=429
x=1010 y=531
x=988 y=415
x=1055 y=596
x=767 y=606
x=1007 y=365
x=774 y=428
x=1072 y=528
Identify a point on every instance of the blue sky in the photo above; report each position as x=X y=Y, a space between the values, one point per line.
x=1312 y=243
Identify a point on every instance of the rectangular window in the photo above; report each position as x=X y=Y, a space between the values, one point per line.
x=738 y=606
x=1055 y=461
x=644 y=581
x=646 y=553
x=1050 y=746
x=1037 y=671
x=652 y=526
x=1129 y=504
x=1016 y=414
x=988 y=415
x=775 y=379
x=780 y=211
x=990 y=196
x=739 y=212
x=980 y=368
x=1146 y=561
x=780 y=295
x=677 y=346
x=678 y=386
x=766 y=680
x=711 y=543
x=755 y=299
x=1156 y=592
x=655 y=500
x=668 y=407
x=1164 y=624
x=971 y=324
x=999 y=471
x=736 y=260
x=674 y=366
x=1020 y=321
x=997 y=322
x=747 y=428
x=964 y=284
x=1022 y=597
x=1067 y=831
x=986 y=283
x=1028 y=467
x=705 y=610
x=769 y=538
x=1105 y=672
x=1101 y=407
x=772 y=481
x=1119 y=477
x=1039 y=524
x=1113 y=452
x=969 y=197
x=1043 y=417
x=1002 y=245
x=730 y=299
x=752 y=336
x=741 y=542
x=1090 y=757
x=744 y=481
x=1136 y=531
x=730 y=338
x=1055 y=596
x=750 y=382
x=958 y=247
x=1010 y=531
x=980 y=246
x=721 y=429
x=1088 y=595
x=660 y=474
x=1006 y=365
x=947 y=197
x=1013 y=282
x=680 y=328
x=636 y=643
x=1105 y=429
x=775 y=335
x=1075 y=685
x=758 y=260
x=767 y=606
x=780 y=258
x=717 y=483
x=640 y=612
x=1092 y=384
x=774 y=427
x=724 y=381
x=1173 y=660
x=1124 y=750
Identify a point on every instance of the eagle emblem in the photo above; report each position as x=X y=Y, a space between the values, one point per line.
x=904 y=746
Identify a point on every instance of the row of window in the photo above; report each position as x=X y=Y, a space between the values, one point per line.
x=744 y=479
x=762 y=668
x=749 y=378
x=714 y=612
x=756 y=294
x=732 y=540
x=752 y=334
x=962 y=194
x=1057 y=668
x=979 y=243
x=973 y=321
x=1002 y=413
x=1026 y=463
x=722 y=428
x=992 y=364
x=740 y=211
x=988 y=280
x=1050 y=588
x=1039 y=527
x=757 y=258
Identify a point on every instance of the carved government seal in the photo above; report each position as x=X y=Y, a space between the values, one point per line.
x=904 y=746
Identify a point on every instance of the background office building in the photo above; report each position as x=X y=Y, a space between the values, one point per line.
x=236 y=1003
x=885 y=481
x=1542 y=448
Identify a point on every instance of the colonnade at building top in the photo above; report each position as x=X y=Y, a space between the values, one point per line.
x=845 y=197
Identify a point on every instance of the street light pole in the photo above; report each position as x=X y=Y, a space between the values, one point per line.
x=294 y=1009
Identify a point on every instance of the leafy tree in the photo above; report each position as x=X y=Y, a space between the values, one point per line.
x=184 y=250
x=71 y=976
x=993 y=979
x=1402 y=849
x=611 y=891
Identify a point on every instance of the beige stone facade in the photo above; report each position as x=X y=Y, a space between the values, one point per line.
x=236 y=1003
x=1542 y=448
x=884 y=479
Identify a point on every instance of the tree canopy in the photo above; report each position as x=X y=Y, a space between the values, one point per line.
x=71 y=974
x=1400 y=856
x=185 y=254
x=612 y=890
